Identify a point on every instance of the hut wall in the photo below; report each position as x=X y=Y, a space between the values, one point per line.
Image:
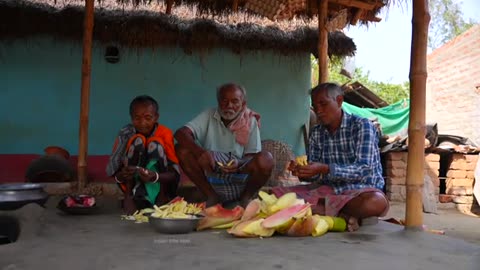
x=41 y=91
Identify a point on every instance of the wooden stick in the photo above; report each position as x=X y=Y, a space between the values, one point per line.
x=322 y=41
x=358 y=4
x=235 y=5
x=416 y=126
x=356 y=16
x=169 y=7
x=85 y=94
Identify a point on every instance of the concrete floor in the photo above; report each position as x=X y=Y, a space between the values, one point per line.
x=53 y=240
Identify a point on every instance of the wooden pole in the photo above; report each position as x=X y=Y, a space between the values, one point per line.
x=169 y=7
x=322 y=41
x=416 y=126
x=235 y=5
x=85 y=94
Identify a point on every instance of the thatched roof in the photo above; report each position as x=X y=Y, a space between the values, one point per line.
x=357 y=10
x=147 y=27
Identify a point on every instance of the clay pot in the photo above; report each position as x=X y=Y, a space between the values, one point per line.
x=56 y=150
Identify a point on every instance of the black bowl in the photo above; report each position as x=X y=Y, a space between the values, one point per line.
x=77 y=210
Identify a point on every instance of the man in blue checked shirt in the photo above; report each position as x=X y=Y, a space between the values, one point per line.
x=343 y=160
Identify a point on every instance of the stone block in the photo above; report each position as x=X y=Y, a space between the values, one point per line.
x=459 y=165
x=470 y=175
x=469 y=209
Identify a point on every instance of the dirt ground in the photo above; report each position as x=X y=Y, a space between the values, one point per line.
x=448 y=219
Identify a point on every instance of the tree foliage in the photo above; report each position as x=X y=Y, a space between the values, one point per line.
x=389 y=92
x=446 y=22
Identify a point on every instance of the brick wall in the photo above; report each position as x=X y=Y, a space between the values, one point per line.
x=395 y=173
x=453 y=78
x=460 y=180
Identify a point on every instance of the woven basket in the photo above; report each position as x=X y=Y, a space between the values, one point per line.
x=282 y=154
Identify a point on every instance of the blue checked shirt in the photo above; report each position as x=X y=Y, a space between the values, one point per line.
x=351 y=153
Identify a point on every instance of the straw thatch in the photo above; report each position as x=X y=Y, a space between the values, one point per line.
x=146 y=27
x=281 y=9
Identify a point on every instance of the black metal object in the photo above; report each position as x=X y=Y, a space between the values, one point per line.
x=14 y=196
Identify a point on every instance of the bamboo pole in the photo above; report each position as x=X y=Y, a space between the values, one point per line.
x=85 y=94
x=416 y=126
x=322 y=41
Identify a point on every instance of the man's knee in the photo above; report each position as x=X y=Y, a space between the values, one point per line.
x=264 y=161
x=376 y=203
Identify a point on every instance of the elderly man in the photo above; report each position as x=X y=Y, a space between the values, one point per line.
x=220 y=150
x=344 y=159
x=143 y=160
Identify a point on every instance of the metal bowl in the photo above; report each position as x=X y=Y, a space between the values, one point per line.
x=14 y=196
x=174 y=225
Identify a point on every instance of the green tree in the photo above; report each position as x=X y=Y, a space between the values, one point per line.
x=446 y=22
x=389 y=92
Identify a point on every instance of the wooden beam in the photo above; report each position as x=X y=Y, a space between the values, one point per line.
x=358 y=4
x=322 y=41
x=356 y=16
x=169 y=7
x=85 y=94
x=235 y=5
x=416 y=126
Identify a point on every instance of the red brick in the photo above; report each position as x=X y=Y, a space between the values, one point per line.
x=396 y=189
x=396 y=197
x=395 y=181
x=432 y=165
x=444 y=198
x=459 y=191
x=397 y=156
x=397 y=164
x=456 y=174
x=395 y=172
x=459 y=182
x=463 y=199
x=471 y=158
x=432 y=157
x=458 y=165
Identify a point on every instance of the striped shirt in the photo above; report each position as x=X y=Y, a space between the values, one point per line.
x=351 y=153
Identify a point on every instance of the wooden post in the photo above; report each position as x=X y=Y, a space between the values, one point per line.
x=85 y=94
x=416 y=126
x=322 y=41
x=169 y=7
x=235 y=5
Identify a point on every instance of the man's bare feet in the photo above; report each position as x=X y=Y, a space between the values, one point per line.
x=352 y=222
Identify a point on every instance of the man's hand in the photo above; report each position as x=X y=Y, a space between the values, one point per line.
x=146 y=175
x=206 y=162
x=232 y=168
x=308 y=171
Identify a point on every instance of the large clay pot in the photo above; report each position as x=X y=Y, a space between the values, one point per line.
x=14 y=196
x=58 y=151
